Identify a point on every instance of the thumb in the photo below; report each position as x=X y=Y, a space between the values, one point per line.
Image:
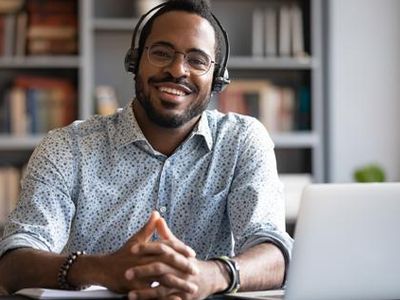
x=166 y=234
x=164 y=231
x=145 y=233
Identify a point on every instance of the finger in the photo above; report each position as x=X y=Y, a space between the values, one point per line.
x=159 y=251
x=165 y=276
x=153 y=269
x=175 y=282
x=145 y=233
x=166 y=234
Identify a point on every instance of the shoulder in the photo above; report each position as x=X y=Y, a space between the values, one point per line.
x=65 y=139
x=236 y=127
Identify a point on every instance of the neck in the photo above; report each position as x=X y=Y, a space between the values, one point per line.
x=164 y=140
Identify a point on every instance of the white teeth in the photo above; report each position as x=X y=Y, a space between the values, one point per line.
x=172 y=91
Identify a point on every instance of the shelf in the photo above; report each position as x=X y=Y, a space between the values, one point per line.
x=286 y=140
x=281 y=63
x=47 y=61
x=109 y=24
x=19 y=143
x=295 y=139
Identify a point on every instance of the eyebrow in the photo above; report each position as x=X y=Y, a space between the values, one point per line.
x=168 y=44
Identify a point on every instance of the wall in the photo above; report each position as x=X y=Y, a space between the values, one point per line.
x=364 y=87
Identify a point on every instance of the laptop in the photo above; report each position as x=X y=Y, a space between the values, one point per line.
x=347 y=244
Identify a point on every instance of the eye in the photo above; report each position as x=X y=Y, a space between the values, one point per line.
x=161 y=53
x=198 y=61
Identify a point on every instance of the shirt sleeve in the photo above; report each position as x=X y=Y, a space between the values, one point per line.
x=45 y=210
x=256 y=203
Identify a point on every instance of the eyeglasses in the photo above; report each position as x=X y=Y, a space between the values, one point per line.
x=198 y=62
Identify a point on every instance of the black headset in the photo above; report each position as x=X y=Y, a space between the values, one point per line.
x=221 y=74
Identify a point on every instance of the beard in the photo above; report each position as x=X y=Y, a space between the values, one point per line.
x=169 y=120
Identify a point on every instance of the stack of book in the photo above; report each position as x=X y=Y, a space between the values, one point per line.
x=279 y=108
x=9 y=190
x=38 y=27
x=13 y=24
x=52 y=27
x=278 y=30
x=35 y=105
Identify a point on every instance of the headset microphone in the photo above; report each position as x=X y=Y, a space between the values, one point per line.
x=221 y=74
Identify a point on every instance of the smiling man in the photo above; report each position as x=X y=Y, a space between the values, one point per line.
x=163 y=199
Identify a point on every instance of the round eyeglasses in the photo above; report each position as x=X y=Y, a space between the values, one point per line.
x=198 y=62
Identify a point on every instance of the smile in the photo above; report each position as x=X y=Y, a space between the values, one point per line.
x=172 y=91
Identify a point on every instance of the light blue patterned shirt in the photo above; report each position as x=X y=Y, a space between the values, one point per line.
x=92 y=185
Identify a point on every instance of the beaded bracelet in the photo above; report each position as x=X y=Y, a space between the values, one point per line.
x=64 y=269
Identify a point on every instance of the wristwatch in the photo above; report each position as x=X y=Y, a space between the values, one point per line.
x=234 y=273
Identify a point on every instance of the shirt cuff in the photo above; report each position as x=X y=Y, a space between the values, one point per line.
x=21 y=240
x=284 y=243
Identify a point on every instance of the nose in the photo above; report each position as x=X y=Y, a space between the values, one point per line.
x=178 y=67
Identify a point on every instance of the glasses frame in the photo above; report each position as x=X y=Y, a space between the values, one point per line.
x=189 y=68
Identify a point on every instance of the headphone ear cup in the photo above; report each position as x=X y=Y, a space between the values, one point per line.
x=220 y=80
x=131 y=60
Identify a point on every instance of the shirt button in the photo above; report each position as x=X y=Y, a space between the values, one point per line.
x=163 y=209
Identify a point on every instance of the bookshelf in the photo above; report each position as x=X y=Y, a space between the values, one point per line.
x=36 y=71
x=105 y=31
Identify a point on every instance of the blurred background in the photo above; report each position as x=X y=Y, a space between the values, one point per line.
x=322 y=76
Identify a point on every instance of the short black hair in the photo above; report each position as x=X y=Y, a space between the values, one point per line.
x=198 y=7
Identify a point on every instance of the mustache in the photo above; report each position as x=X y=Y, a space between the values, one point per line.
x=171 y=79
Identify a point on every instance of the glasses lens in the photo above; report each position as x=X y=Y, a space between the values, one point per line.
x=199 y=62
x=161 y=55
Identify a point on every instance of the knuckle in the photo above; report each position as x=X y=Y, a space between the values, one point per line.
x=170 y=257
x=157 y=268
x=141 y=247
x=168 y=279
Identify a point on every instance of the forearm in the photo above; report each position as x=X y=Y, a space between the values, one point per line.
x=26 y=267
x=262 y=267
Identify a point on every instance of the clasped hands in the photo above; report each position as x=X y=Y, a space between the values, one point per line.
x=162 y=269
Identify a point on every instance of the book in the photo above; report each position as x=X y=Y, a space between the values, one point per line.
x=93 y=292
x=293 y=187
x=11 y=6
x=284 y=30
x=303 y=108
x=9 y=191
x=54 y=32
x=3 y=201
x=258 y=33
x=106 y=100
x=269 y=107
x=52 y=6
x=296 y=18
x=49 y=102
x=242 y=96
x=52 y=46
x=2 y=25
x=52 y=28
x=20 y=38
x=13 y=177
x=287 y=110
x=271 y=31
x=9 y=34
x=18 y=117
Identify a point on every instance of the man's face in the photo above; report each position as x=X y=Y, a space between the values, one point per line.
x=172 y=95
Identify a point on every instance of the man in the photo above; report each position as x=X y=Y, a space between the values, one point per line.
x=212 y=178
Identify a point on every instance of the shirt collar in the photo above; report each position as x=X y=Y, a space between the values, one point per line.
x=203 y=129
x=126 y=129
